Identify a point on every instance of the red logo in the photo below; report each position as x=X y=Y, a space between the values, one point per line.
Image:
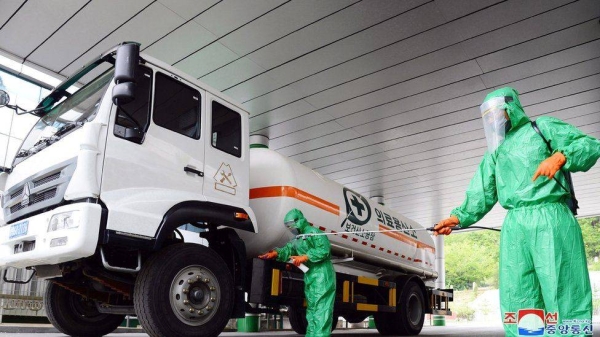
x=510 y=318
x=530 y=322
x=552 y=318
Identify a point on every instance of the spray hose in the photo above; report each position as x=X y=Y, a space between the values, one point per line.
x=394 y=230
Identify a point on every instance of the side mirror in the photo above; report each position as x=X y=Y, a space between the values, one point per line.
x=123 y=93
x=4 y=98
x=126 y=62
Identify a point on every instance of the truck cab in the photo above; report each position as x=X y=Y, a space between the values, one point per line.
x=110 y=172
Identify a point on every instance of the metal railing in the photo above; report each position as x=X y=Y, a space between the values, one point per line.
x=21 y=299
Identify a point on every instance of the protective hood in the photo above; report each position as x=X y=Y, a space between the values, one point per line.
x=295 y=219
x=501 y=112
x=513 y=108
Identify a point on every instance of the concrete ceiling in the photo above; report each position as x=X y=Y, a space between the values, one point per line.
x=379 y=95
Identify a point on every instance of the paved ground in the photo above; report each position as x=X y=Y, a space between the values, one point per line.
x=459 y=331
x=427 y=331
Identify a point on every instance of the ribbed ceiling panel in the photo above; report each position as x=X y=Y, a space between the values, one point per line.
x=381 y=96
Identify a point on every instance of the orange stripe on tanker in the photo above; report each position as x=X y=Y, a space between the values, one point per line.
x=405 y=239
x=292 y=192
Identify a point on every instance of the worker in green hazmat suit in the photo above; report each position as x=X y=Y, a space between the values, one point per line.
x=319 y=280
x=542 y=258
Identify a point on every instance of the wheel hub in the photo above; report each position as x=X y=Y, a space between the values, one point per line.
x=195 y=294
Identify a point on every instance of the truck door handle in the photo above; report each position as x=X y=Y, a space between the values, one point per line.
x=193 y=170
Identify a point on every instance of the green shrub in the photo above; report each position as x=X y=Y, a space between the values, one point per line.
x=464 y=312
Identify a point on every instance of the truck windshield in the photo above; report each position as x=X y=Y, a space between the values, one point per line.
x=65 y=117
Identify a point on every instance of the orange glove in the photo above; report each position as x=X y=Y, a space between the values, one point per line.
x=550 y=166
x=445 y=226
x=297 y=260
x=270 y=255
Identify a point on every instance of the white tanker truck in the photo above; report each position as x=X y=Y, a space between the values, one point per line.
x=101 y=186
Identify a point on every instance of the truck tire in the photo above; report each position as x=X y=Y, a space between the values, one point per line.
x=383 y=323
x=75 y=316
x=297 y=317
x=409 y=316
x=298 y=320
x=184 y=290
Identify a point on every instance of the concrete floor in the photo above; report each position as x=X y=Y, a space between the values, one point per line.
x=471 y=331
x=427 y=331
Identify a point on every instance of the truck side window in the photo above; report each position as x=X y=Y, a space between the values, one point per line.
x=177 y=106
x=136 y=114
x=226 y=129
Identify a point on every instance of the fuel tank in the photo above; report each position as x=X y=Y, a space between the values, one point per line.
x=279 y=184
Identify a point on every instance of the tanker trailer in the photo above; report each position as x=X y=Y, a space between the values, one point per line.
x=383 y=260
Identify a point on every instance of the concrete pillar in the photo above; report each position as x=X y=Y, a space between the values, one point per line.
x=440 y=267
x=378 y=199
x=259 y=141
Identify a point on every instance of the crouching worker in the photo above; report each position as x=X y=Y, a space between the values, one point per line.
x=319 y=280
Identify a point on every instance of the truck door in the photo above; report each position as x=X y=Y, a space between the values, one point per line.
x=227 y=165
x=142 y=179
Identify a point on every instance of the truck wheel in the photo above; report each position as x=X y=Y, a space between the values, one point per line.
x=411 y=308
x=185 y=290
x=409 y=316
x=297 y=317
x=383 y=323
x=298 y=320
x=74 y=315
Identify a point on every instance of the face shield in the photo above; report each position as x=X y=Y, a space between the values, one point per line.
x=291 y=226
x=495 y=121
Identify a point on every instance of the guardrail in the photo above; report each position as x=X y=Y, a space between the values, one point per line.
x=21 y=299
x=13 y=302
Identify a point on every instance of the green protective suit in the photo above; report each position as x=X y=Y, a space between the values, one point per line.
x=542 y=258
x=319 y=281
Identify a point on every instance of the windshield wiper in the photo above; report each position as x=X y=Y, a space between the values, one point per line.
x=37 y=147
x=23 y=153
x=58 y=134
x=46 y=141
x=66 y=128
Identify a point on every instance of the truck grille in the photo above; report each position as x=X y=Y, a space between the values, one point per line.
x=34 y=199
x=17 y=193
x=36 y=183
x=44 y=189
x=46 y=180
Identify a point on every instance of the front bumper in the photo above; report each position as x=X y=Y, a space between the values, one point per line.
x=81 y=241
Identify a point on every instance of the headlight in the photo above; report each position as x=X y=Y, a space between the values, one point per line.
x=66 y=220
